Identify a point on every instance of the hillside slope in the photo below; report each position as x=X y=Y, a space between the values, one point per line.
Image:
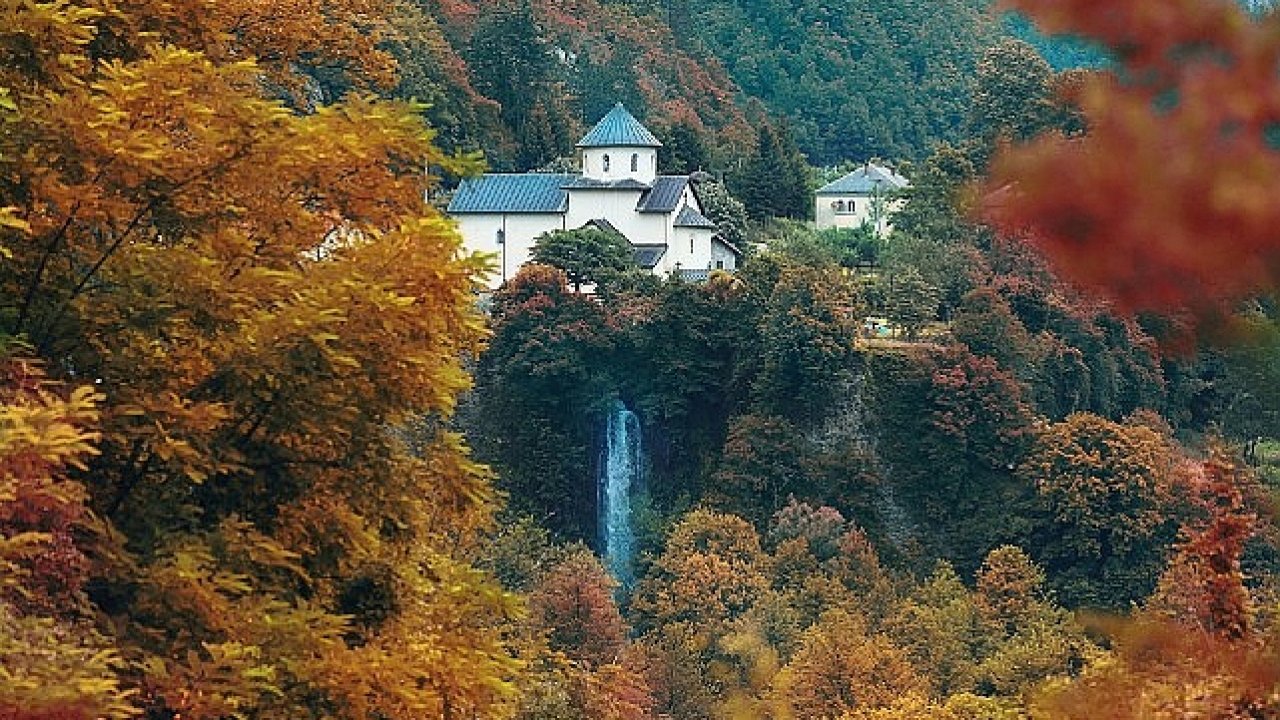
x=853 y=79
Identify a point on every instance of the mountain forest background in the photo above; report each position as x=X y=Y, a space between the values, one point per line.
x=266 y=453
x=849 y=81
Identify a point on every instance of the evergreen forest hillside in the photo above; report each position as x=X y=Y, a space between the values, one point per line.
x=852 y=81
x=270 y=451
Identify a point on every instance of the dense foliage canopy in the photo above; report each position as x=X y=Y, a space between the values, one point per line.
x=230 y=329
x=883 y=478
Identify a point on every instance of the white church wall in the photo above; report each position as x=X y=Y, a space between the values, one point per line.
x=689 y=249
x=691 y=199
x=480 y=233
x=620 y=163
x=619 y=208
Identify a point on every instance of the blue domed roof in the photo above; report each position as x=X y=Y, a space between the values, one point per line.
x=619 y=128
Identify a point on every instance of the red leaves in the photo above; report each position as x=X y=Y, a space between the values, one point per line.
x=979 y=405
x=41 y=510
x=1210 y=552
x=1169 y=200
x=575 y=605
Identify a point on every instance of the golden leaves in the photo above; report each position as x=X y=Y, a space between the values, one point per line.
x=49 y=662
x=49 y=429
x=261 y=296
x=52 y=670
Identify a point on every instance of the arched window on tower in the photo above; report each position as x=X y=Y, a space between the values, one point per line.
x=635 y=162
x=606 y=163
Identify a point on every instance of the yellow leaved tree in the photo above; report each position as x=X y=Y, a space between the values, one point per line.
x=272 y=519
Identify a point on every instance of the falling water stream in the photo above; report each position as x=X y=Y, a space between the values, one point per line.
x=620 y=471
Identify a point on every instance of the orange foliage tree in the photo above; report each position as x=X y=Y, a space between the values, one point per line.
x=1194 y=650
x=694 y=605
x=574 y=605
x=1166 y=202
x=842 y=668
x=1107 y=494
x=587 y=668
x=52 y=662
x=275 y=323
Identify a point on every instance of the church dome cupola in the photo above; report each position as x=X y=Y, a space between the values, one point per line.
x=619 y=147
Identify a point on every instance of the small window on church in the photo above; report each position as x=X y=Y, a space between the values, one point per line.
x=606 y=163
x=719 y=264
x=635 y=162
x=502 y=236
x=690 y=245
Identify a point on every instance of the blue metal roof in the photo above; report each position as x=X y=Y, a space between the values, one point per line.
x=530 y=193
x=689 y=217
x=865 y=180
x=647 y=256
x=619 y=128
x=665 y=194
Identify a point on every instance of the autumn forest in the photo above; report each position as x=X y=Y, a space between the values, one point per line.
x=270 y=449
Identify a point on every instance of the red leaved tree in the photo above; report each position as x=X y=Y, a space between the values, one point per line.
x=1168 y=200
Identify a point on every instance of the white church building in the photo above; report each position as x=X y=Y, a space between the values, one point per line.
x=619 y=190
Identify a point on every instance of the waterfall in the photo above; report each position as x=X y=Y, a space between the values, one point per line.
x=620 y=469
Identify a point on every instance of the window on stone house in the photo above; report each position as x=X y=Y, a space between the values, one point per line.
x=606 y=163
x=635 y=162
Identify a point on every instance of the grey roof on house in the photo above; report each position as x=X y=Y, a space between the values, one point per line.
x=665 y=194
x=619 y=128
x=586 y=183
x=528 y=193
x=691 y=218
x=647 y=256
x=865 y=180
